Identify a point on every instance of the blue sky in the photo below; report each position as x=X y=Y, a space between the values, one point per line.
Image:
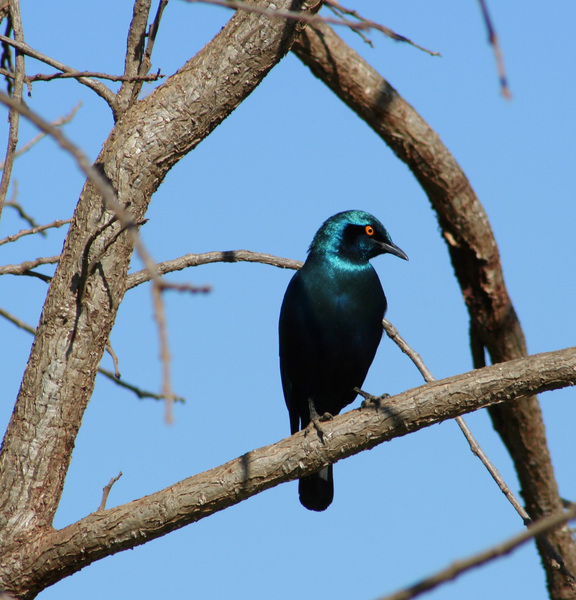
x=290 y=156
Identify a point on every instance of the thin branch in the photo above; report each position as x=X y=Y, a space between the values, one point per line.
x=111 y=352
x=106 y=491
x=94 y=74
x=185 y=287
x=6 y=63
x=104 y=92
x=142 y=394
x=38 y=229
x=461 y=566
x=134 y=55
x=14 y=116
x=493 y=40
x=195 y=260
x=363 y=24
x=138 y=59
x=12 y=203
x=57 y=123
x=152 y=33
x=26 y=267
x=16 y=321
x=337 y=9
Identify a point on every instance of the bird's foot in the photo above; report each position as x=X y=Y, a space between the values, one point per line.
x=369 y=399
x=315 y=423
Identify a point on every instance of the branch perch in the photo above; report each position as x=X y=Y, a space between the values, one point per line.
x=105 y=533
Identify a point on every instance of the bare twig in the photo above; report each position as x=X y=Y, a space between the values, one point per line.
x=6 y=63
x=94 y=74
x=25 y=267
x=16 y=321
x=106 y=491
x=138 y=59
x=109 y=374
x=57 y=123
x=461 y=566
x=363 y=24
x=38 y=229
x=340 y=10
x=142 y=394
x=12 y=203
x=493 y=39
x=195 y=260
x=153 y=31
x=98 y=87
x=165 y=357
x=111 y=352
x=134 y=55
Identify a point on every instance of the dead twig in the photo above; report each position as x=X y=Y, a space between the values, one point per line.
x=25 y=268
x=57 y=123
x=142 y=394
x=493 y=40
x=363 y=24
x=195 y=260
x=106 y=491
x=38 y=229
x=111 y=352
x=104 y=92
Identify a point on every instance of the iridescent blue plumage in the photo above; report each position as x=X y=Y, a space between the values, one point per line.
x=330 y=328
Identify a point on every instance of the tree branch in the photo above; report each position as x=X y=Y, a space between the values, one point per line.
x=104 y=92
x=195 y=260
x=152 y=136
x=275 y=13
x=474 y=255
x=461 y=566
x=14 y=116
x=57 y=554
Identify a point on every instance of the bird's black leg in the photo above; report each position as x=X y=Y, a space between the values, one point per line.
x=369 y=399
x=316 y=419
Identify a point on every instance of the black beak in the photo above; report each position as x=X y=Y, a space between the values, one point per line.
x=392 y=248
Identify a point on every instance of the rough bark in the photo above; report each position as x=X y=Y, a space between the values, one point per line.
x=474 y=255
x=50 y=556
x=90 y=280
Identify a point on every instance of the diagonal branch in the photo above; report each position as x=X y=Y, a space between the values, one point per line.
x=461 y=566
x=474 y=254
x=104 y=92
x=57 y=554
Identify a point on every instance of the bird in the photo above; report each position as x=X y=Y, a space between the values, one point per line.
x=330 y=327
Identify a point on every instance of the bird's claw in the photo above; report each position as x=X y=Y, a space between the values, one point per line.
x=315 y=424
x=369 y=399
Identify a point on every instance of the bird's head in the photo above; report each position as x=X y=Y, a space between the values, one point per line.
x=354 y=235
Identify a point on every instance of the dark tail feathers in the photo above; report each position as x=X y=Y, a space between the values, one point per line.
x=317 y=491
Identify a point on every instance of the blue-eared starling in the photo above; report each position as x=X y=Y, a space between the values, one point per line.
x=330 y=328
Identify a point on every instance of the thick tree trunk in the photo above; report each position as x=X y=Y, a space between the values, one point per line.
x=90 y=280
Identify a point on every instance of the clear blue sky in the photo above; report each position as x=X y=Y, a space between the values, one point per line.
x=288 y=158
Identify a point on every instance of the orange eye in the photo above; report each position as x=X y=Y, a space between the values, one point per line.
x=369 y=230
